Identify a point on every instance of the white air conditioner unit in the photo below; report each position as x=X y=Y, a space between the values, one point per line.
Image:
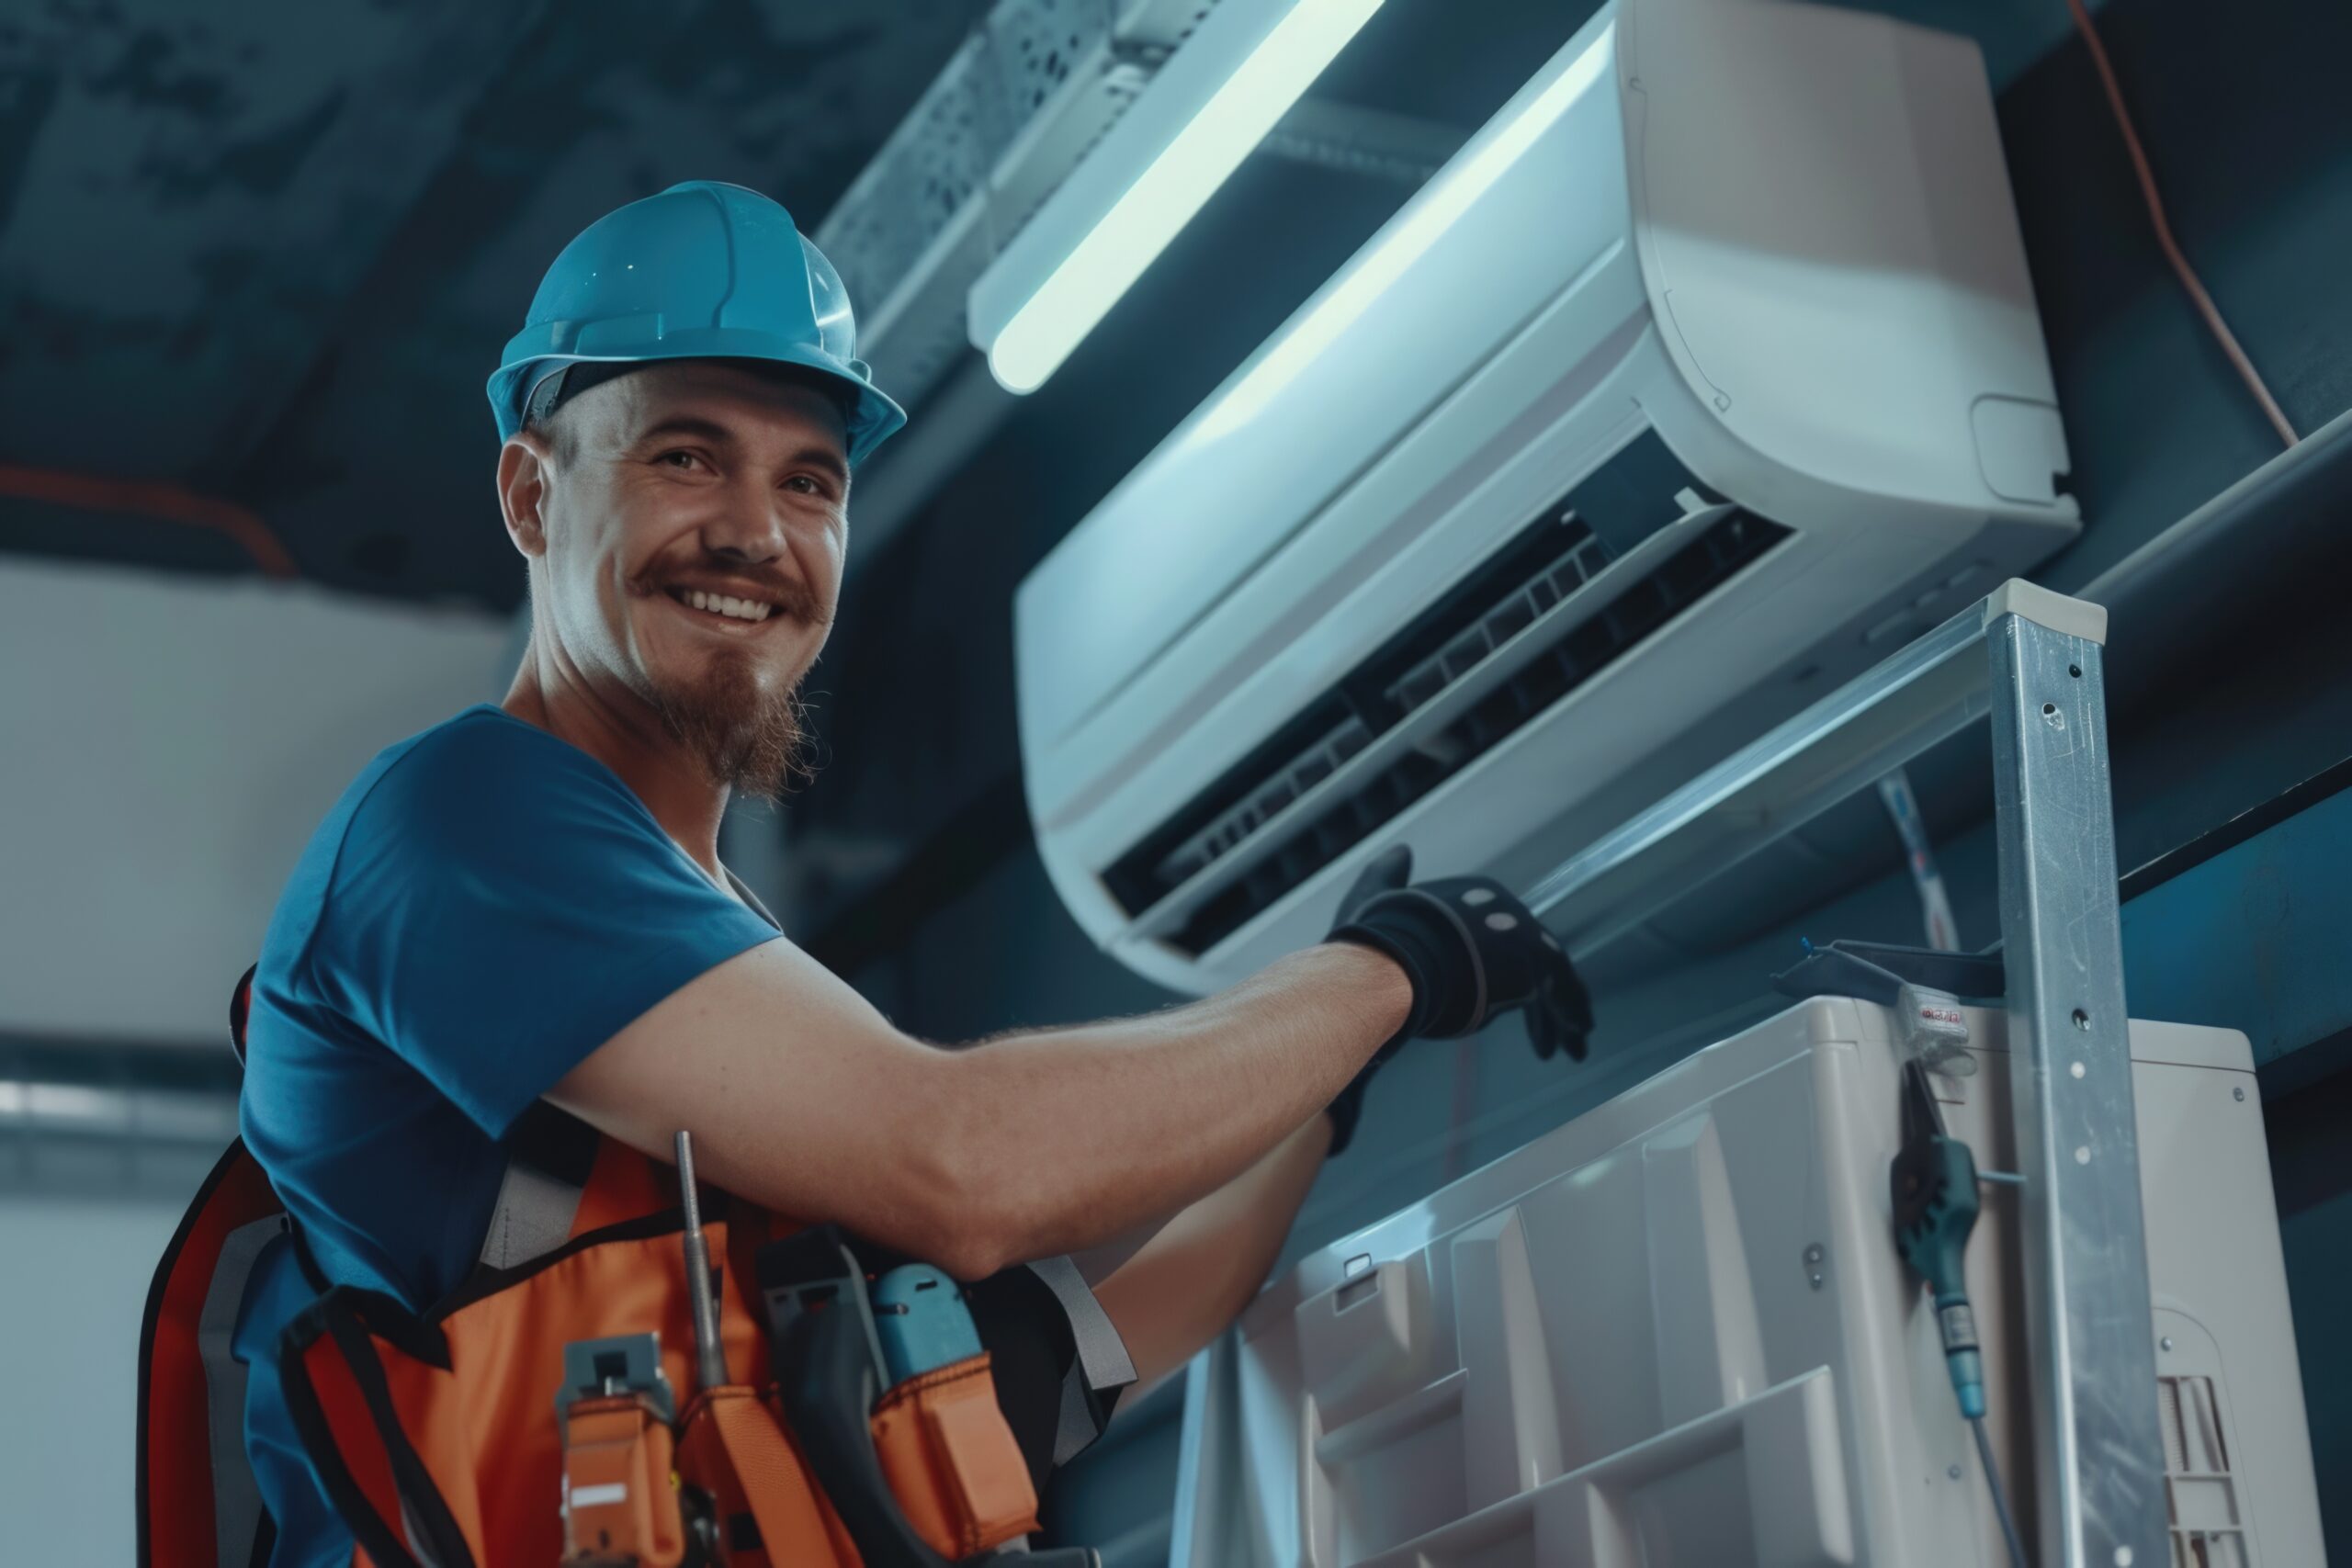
x=1676 y=1330
x=1707 y=372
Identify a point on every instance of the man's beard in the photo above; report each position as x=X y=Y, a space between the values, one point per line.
x=744 y=738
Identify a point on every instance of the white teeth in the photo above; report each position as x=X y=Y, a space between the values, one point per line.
x=727 y=605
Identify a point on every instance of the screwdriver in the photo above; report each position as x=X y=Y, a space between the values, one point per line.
x=710 y=1360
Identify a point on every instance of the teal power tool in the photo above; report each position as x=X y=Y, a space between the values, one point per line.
x=922 y=1321
x=1934 y=1178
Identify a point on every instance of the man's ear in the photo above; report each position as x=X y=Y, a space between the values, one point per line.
x=523 y=466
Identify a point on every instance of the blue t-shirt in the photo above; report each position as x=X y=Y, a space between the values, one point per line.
x=485 y=906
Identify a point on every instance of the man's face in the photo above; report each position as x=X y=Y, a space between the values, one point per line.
x=694 y=519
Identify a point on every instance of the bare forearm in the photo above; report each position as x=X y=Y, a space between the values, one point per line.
x=1031 y=1145
x=1073 y=1137
x=1197 y=1274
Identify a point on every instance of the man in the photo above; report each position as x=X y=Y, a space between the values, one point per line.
x=527 y=903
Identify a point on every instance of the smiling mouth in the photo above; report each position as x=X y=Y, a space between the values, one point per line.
x=722 y=606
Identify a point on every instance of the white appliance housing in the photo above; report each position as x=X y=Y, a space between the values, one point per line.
x=1674 y=1330
x=1705 y=373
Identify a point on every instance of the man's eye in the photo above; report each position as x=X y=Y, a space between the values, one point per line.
x=804 y=484
x=679 y=459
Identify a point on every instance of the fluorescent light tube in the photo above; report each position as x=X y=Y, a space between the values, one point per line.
x=1223 y=130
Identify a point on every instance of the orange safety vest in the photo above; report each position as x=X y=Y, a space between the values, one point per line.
x=436 y=1433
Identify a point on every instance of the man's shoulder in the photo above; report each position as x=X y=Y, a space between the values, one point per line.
x=442 y=793
x=484 y=736
x=483 y=770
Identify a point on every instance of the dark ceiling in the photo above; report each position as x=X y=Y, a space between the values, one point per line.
x=268 y=251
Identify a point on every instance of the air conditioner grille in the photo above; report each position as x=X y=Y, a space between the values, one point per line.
x=1404 y=675
x=1514 y=614
x=1557 y=558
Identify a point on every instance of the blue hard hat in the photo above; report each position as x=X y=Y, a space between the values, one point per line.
x=701 y=271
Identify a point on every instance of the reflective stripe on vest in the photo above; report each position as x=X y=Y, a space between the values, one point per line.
x=236 y=1499
x=533 y=1215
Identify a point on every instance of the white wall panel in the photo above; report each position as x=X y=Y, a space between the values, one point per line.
x=167 y=747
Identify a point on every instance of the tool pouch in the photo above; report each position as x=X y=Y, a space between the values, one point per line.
x=619 y=1506
x=919 y=1476
x=951 y=1462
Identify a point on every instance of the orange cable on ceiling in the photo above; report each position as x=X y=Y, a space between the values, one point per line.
x=2181 y=269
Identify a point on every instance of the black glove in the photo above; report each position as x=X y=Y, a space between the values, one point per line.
x=1472 y=952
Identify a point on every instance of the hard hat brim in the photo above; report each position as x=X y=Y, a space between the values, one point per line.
x=869 y=415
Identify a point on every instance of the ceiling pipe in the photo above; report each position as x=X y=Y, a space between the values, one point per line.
x=94 y=1116
x=158 y=502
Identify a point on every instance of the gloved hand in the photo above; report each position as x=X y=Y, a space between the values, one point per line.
x=1472 y=952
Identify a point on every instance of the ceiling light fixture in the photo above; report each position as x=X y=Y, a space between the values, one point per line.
x=1438 y=207
x=1210 y=105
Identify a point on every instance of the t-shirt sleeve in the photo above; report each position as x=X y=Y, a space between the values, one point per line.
x=502 y=905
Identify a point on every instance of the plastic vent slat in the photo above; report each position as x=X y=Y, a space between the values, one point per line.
x=1638 y=611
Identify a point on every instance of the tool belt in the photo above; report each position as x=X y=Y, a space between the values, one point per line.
x=459 y=1436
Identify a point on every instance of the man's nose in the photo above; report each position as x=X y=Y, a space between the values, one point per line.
x=749 y=528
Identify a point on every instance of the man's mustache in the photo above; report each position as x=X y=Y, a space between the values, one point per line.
x=795 y=598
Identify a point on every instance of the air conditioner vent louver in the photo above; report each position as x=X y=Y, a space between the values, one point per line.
x=1445 y=646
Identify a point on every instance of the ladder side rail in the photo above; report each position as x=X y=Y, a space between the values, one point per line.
x=2090 y=1336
